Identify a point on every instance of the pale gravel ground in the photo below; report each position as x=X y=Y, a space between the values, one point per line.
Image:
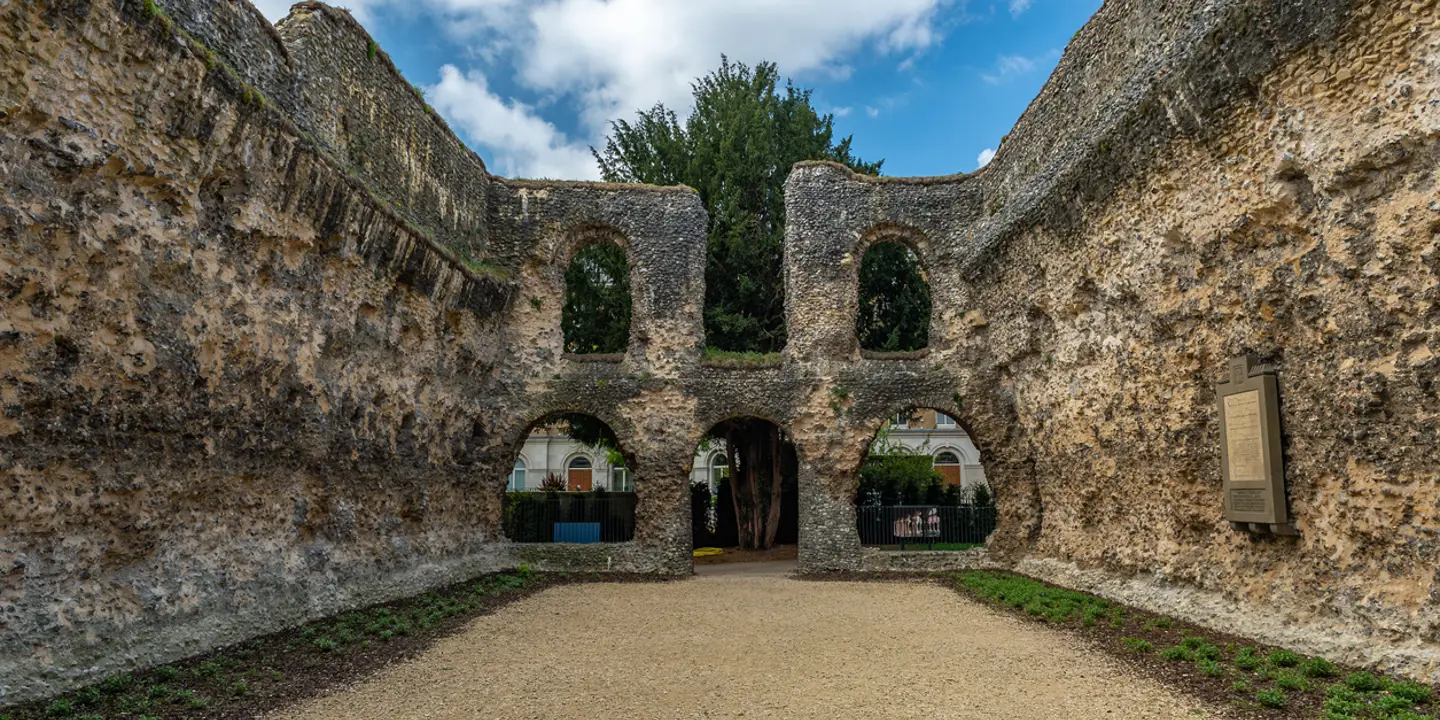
x=737 y=645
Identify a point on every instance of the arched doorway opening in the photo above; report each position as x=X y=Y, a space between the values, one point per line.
x=596 y=315
x=744 y=492
x=894 y=310
x=571 y=483
x=923 y=487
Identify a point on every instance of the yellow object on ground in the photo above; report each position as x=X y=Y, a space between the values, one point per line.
x=706 y=552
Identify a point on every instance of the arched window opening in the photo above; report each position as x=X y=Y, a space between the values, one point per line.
x=579 y=490
x=751 y=499
x=919 y=491
x=894 y=312
x=596 y=315
x=517 y=476
x=719 y=469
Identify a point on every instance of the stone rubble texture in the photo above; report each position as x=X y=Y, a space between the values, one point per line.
x=271 y=336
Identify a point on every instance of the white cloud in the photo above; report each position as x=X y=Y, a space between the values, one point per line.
x=620 y=56
x=1010 y=67
x=872 y=111
x=842 y=111
x=523 y=144
x=986 y=156
x=607 y=59
x=1018 y=7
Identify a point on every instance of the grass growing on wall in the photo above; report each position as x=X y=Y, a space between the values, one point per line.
x=734 y=358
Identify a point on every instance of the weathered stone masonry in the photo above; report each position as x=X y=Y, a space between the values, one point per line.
x=251 y=374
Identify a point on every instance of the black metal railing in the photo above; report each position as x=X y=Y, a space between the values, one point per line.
x=925 y=526
x=569 y=517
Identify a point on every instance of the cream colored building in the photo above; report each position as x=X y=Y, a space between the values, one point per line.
x=548 y=450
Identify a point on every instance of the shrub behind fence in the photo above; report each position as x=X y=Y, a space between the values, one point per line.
x=583 y=517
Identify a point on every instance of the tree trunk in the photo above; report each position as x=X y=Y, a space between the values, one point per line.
x=752 y=483
x=772 y=525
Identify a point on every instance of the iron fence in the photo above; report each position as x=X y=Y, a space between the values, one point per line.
x=916 y=526
x=569 y=517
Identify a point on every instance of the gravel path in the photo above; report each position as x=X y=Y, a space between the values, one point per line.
x=754 y=646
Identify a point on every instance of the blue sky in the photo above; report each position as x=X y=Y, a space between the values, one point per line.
x=928 y=85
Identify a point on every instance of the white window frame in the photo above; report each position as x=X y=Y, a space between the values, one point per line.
x=948 y=424
x=621 y=480
x=723 y=466
x=901 y=421
x=521 y=468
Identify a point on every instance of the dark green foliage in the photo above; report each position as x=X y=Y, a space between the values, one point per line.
x=1246 y=659
x=1272 y=698
x=735 y=150
x=116 y=684
x=596 y=314
x=1178 y=653
x=1318 y=668
x=1342 y=702
x=167 y=673
x=60 y=709
x=894 y=314
x=1054 y=604
x=1290 y=681
x=371 y=50
x=981 y=496
x=1364 y=682
x=896 y=479
x=1138 y=645
x=1411 y=691
x=1285 y=658
x=1209 y=668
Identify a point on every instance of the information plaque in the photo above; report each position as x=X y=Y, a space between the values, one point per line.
x=1250 y=452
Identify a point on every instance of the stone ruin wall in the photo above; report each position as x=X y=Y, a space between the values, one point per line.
x=1273 y=190
x=250 y=375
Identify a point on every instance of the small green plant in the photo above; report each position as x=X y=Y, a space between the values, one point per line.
x=326 y=644
x=116 y=684
x=166 y=673
x=536 y=303
x=150 y=8
x=192 y=699
x=1364 y=682
x=372 y=50
x=1414 y=692
x=1137 y=644
x=1285 y=658
x=60 y=709
x=1240 y=686
x=87 y=696
x=1247 y=659
x=240 y=687
x=208 y=669
x=1209 y=668
x=1290 y=681
x=1319 y=668
x=1178 y=653
x=1272 y=698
